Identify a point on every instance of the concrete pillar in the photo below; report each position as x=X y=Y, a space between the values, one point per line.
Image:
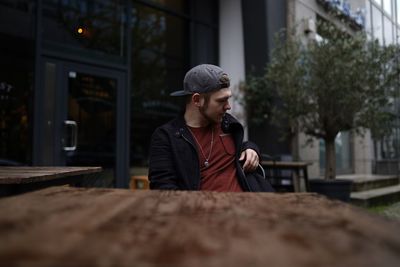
x=231 y=52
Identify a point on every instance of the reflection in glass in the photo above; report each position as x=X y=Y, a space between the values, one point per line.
x=387 y=148
x=92 y=105
x=387 y=6
x=88 y=24
x=377 y=24
x=398 y=11
x=159 y=60
x=17 y=18
x=377 y=2
x=17 y=21
x=388 y=31
x=15 y=116
x=368 y=26
x=175 y=5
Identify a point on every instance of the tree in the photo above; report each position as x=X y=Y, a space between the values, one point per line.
x=341 y=83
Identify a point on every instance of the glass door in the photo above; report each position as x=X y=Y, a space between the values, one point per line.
x=88 y=134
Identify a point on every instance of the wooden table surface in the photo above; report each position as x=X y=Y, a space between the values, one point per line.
x=21 y=179
x=25 y=174
x=66 y=226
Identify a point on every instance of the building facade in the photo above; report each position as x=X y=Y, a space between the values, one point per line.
x=380 y=19
x=86 y=82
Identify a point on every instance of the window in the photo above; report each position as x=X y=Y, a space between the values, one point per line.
x=162 y=52
x=173 y=5
x=378 y=2
x=89 y=26
x=17 y=46
x=159 y=54
x=398 y=11
x=387 y=6
x=388 y=31
x=377 y=28
x=398 y=36
x=368 y=19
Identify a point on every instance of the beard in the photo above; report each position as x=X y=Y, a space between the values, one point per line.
x=211 y=119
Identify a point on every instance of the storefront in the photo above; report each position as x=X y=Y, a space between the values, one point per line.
x=86 y=82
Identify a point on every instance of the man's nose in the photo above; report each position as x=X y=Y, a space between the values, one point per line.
x=227 y=106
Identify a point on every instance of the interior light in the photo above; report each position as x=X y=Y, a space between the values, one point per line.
x=80 y=30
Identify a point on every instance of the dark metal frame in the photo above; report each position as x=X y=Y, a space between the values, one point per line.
x=63 y=61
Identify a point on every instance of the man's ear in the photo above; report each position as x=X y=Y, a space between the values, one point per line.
x=196 y=99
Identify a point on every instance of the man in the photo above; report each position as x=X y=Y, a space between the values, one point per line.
x=203 y=149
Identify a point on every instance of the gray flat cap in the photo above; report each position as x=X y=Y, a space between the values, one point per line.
x=203 y=78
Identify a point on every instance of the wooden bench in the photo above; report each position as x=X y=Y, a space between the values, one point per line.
x=298 y=170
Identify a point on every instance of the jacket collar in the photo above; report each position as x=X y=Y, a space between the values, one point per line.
x=228 y=124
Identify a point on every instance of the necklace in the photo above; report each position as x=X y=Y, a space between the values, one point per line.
x=206 y=162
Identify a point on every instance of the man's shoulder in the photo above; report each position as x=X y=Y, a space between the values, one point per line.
x=171 y=126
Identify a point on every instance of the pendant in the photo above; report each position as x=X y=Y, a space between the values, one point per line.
x=206 y=163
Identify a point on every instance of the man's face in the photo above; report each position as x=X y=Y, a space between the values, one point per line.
x=214 y=108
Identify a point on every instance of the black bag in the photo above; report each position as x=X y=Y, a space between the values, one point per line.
x=257 y=181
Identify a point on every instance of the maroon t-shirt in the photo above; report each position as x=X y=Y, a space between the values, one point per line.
x=220 y=175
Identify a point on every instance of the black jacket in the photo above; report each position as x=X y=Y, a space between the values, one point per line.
x=174 y=162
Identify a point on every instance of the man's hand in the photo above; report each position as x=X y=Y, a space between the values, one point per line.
x=251 y=160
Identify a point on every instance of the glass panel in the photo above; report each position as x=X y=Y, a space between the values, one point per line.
x=343 y=153
x=17 y=34
x=387 y=6
x=16 y=100
x=388 y=31
x=377 y=24
x=49 y=108
x=176 y=5
x=17 y=18
x=398 y=36
x=398 y=11
x=159 y=58
x=378 y=2
x=86 y=24
x=388 y=147
x=368 y=19
x=92 y=105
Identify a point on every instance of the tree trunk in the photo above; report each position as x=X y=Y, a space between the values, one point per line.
x=330 y=159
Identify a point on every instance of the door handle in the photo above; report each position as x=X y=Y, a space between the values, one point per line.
x=73 y=128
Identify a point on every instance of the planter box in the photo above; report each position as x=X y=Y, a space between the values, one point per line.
x=334 y=189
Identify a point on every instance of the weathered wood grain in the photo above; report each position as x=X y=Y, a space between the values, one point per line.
x=64 y=226
x=22 y=174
